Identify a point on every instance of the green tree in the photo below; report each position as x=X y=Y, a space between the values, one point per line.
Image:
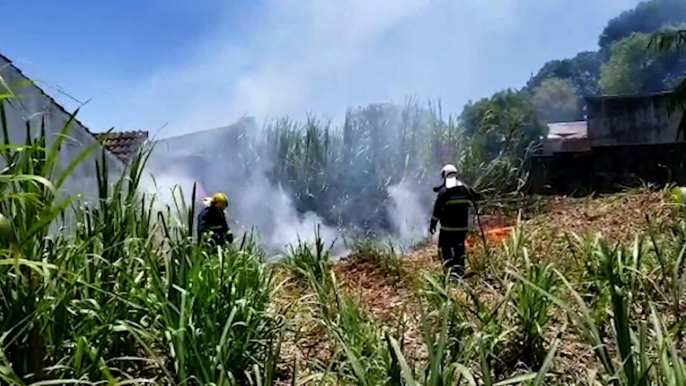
x=556 y=101
x=622 y=74
x=648 y=17
x=673 y=40
x=507 y=121
x=581 y=71
x=634 y=68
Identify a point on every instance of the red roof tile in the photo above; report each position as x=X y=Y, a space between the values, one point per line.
x=123 y=144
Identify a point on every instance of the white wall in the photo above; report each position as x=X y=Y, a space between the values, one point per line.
x=633 y=120
x=35 y=106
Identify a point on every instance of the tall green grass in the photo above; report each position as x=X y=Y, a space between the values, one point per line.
x=343 y=173
x=114 y=291
x=637 y=348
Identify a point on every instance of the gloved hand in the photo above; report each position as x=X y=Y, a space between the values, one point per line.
x=432 y=228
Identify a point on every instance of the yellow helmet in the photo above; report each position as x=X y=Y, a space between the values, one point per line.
x=220 y=197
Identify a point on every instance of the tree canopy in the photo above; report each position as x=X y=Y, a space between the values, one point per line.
x=506 y=119
x=581 y=72
x=648 y=17
x=555 y=100
x=634 y=67
x=624 y=63
x=631 y=68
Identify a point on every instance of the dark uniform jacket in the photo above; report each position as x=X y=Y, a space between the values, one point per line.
x=213 y=220
x=452 y=208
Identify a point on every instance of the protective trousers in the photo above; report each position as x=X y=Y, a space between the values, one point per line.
x=452 y=250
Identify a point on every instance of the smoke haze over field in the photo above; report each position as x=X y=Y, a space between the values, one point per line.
x=234 y=160
x=321 y=56
x=287 y=180
x=274 y=57
x=408 y=211
x=258 y=205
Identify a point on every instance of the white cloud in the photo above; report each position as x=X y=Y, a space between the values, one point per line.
x=325 y=55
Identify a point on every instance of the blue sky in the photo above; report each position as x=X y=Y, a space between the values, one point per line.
x=194 y=65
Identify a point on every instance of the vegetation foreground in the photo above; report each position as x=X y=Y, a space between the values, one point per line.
x=117 y=292
x=580 y=292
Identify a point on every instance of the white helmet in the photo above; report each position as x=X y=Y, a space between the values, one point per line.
x=448 y=169
x=449 y=174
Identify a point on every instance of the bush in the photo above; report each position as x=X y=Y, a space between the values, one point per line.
x=104 y=292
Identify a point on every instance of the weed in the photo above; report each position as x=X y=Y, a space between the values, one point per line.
x=309 y=262
x=533 y=310
x=385 y=257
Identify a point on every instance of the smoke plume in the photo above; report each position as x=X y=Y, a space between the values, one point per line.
x=286 y=180
x=235 y=161
x=409 y=212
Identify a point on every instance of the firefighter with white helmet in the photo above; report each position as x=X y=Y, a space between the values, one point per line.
x=453 y=210
x=449 y=174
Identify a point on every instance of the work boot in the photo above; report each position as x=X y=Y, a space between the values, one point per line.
x=456 y=273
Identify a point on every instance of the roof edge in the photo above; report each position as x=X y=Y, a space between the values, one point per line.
x=206 y=131
x=54 y=102
x=583 y=121
x=628 y=96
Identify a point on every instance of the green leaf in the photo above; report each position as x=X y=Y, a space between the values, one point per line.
x=407 y=373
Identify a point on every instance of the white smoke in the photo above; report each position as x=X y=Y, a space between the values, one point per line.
x=409 y=212
x=168 y=189
x=239 y=160
x=261 y=205
x=255 y=205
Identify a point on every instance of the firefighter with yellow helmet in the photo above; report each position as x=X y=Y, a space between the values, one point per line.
x=212 y=222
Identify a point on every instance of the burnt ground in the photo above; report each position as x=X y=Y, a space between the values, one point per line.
x=390 y=300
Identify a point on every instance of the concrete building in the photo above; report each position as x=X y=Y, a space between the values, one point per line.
x=632 y=120
x=210 y=158
x=34 y=106
x=628 y=141
x=635 y=140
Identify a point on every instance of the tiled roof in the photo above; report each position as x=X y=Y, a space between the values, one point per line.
x=123 y=144
x=658 y=94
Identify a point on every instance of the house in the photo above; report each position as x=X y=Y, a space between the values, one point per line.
x=631 y=120
x=626 y=140
x=208 y=158
x=34 y=106
x=636 y=139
